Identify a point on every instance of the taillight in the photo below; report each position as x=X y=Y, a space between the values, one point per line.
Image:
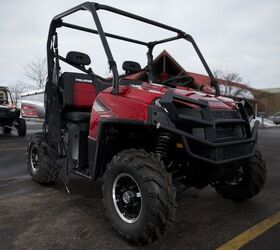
x=29 y=111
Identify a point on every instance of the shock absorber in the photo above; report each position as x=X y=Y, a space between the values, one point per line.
x=162 y=145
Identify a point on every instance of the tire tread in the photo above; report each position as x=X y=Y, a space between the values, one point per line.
x=160 y=217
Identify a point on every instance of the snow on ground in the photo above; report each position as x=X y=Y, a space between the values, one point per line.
x=264 y=122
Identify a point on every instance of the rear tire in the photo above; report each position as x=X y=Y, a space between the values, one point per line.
x=253 y=179
x=145 y=213
x=41 y=160
x=21 y=129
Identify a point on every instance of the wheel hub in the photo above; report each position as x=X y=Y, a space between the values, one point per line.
x=236 y=178
x=127 y=198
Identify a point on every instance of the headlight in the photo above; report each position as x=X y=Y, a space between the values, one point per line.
x=157 y=103
x=98 y=107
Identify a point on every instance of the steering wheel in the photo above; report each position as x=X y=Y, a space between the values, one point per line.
x=171 y=82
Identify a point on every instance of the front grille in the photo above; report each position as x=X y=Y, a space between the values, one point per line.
x=221 y=132
x=225 y=114
x=225 y=132
x=229 y=133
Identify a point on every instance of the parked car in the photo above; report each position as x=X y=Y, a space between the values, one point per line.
x=10 y=114
x=32 y=105
x=275 y=118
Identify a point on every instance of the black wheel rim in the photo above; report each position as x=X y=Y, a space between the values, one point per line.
x=34 y=158
x=127 y=198
x=236 y=179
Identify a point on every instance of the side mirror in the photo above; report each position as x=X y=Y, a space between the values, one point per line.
x=78 y=58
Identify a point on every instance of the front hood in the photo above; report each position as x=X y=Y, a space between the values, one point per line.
x=148 y=92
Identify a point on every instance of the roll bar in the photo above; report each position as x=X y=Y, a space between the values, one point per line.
x=57 y=22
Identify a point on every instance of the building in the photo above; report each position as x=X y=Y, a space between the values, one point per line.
x=268 y=100
x=265 y=100
x=165 y=66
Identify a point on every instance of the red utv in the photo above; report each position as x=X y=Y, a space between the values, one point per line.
x=146 y=140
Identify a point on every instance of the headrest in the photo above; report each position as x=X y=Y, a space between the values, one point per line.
x=78 y=58
x=131 y=67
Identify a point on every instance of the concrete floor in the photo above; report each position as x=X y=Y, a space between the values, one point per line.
x=46 y=217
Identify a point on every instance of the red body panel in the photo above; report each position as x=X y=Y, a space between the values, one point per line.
x=84 y=95
x=132 y=102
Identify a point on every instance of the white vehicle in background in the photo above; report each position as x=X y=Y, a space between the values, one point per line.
x=275 y=118
x=32 y=105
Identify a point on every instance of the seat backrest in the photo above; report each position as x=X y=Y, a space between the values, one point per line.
x=131 y=67
x=78 y=91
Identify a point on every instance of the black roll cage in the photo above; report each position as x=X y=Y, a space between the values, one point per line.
x=52 y=44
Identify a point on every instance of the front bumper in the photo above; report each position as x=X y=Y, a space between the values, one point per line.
x=8 y=116
x=222 y=152
x=206 y=149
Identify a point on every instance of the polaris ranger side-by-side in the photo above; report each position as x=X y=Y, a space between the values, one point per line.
x=147 y=139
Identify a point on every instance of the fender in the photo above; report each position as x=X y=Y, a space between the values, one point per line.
x=97 y=157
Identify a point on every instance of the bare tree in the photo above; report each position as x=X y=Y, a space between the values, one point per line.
x=36 y=71
x=232 y=84
x=17 y=89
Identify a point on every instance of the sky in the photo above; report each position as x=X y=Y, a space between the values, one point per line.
x=234 y=35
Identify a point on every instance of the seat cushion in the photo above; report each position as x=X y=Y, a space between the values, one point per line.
x=77 y=116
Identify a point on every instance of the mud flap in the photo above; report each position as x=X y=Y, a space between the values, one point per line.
x=72 y=154
x=64 y=172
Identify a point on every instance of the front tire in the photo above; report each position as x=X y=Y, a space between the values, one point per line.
x=139 y=197
x=252 y=179
x=41 y=160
